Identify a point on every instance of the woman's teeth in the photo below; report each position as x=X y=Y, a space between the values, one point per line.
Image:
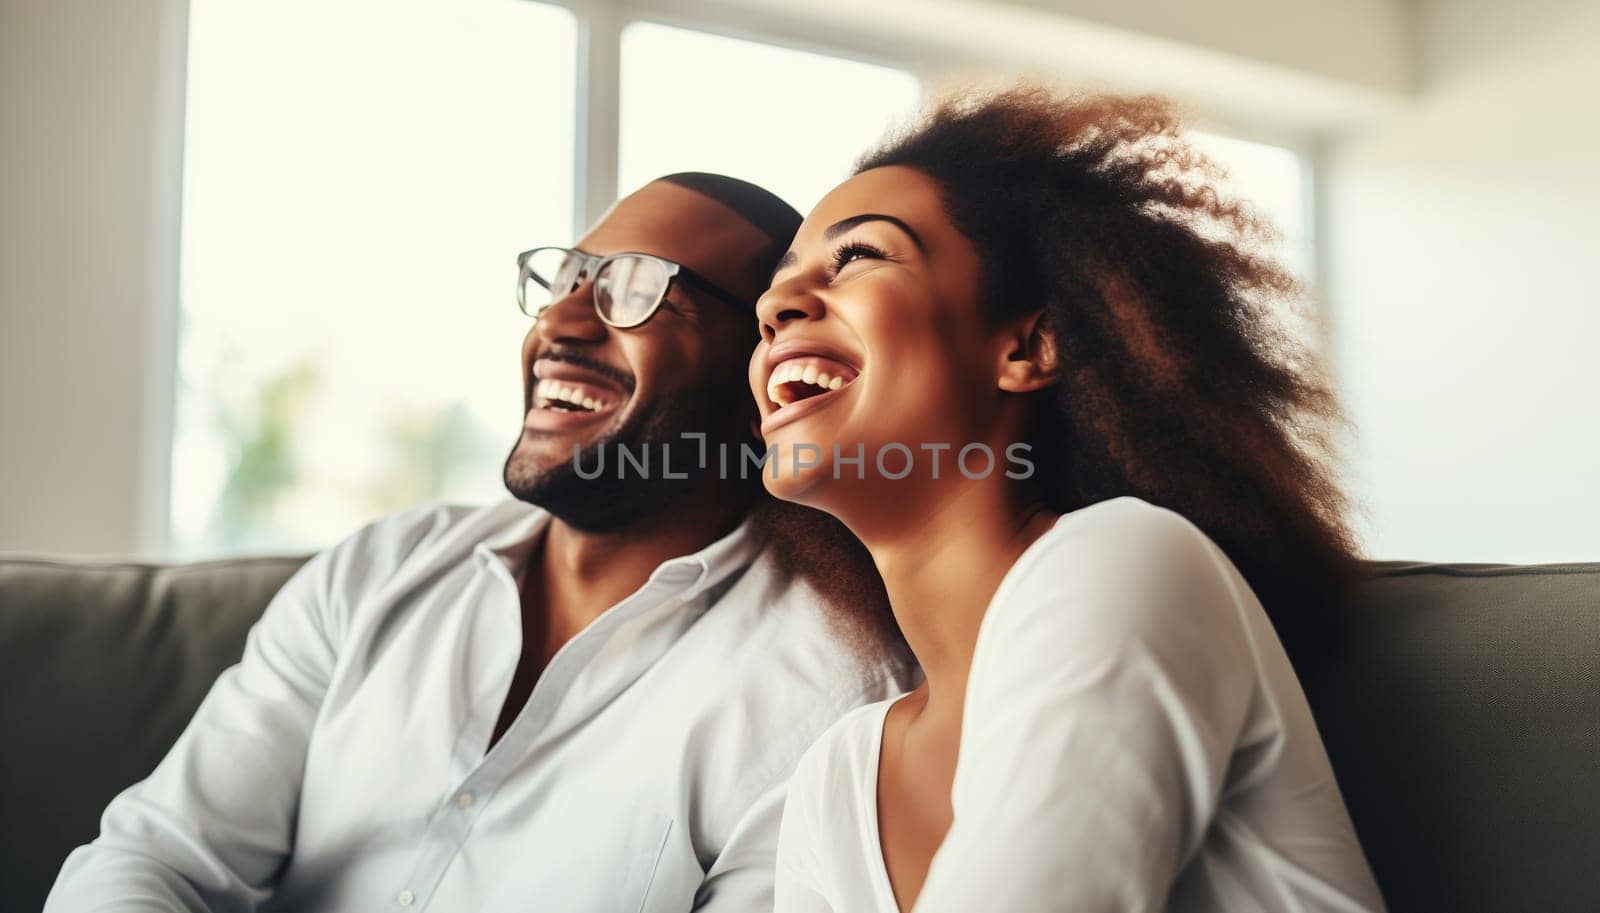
x=800 y=379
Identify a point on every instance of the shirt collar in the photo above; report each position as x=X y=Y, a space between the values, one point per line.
x=706 y=567
x=510 y=544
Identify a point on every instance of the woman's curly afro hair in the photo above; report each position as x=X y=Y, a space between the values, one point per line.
x=1179 y=383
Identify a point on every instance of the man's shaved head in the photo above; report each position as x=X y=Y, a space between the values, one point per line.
x=756 y=205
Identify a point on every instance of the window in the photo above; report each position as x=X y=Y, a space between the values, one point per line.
x=1273 y=180
x=790 y=121
x=349 y=343
x=358 y=177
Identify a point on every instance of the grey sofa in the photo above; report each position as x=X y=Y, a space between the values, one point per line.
x=1463 y=719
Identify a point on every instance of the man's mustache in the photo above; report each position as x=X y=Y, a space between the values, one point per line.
x=580 y=360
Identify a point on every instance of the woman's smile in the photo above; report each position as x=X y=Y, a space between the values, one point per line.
x=803 y=377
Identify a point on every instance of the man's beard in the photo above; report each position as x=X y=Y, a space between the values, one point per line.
x=615 y=499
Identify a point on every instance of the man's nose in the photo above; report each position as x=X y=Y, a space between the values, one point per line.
x=572 y=318
x=783 y=304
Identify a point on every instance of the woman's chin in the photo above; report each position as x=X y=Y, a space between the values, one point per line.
x=806 y=484
x=814 y=463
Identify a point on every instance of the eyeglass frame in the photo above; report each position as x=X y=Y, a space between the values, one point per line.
x=592 y=264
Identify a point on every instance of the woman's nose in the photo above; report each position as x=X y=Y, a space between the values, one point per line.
x=783 y=304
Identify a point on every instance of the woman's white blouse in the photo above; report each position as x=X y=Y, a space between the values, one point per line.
x=1134 y=739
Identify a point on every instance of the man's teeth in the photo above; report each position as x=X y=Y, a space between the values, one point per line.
x=809 y=374
x=551 y=391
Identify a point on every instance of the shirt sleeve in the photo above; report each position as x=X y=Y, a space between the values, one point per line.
x=741 y=878
x=1108 y=692
x=213 y=824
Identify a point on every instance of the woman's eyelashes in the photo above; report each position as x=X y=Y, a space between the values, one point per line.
x=851 y=251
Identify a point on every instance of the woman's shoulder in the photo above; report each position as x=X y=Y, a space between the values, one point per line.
x=821 y=842
x=828 y=782
x=838 y=764
x=1117 y=568
x=1132 y=529
x=845 y=748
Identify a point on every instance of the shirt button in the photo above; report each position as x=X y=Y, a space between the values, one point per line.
x=465 y=799
x=405 y=898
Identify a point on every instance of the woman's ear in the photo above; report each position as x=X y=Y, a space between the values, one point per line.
x=1030 y=356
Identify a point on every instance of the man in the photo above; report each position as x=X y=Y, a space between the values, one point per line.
x=589 y=705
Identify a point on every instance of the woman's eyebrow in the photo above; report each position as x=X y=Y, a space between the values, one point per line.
x=840 y=227
x=843 y=225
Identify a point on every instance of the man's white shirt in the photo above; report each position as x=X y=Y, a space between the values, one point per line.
x=342 y=764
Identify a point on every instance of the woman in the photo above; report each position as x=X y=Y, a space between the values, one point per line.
x=1109 y=720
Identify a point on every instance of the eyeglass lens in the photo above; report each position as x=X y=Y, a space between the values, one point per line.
x=626 y=288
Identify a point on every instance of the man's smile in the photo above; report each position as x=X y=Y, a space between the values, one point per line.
x=565 y=393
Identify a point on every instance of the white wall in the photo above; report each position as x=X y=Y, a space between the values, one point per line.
x=88 y=197
x=1462 y=256
x=1268 y=69
x=1364 y=42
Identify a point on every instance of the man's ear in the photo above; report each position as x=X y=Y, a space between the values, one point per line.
x=1030 y=358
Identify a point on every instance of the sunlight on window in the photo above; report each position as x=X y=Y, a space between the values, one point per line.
x=1273 y=181
x=359 y=175
x=790 y=121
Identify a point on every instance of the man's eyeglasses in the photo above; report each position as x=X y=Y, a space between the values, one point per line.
x=628 y=287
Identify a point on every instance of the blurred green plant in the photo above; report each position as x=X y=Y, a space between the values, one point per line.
x=264 y=466
x=428 y=452
x=436 y=452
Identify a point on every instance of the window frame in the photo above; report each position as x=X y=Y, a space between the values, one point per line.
x=601 y=23
x=597 y=149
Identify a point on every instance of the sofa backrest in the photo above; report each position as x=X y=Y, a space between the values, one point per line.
x=1463 y=722
x=1463 y=718
x=102 y=665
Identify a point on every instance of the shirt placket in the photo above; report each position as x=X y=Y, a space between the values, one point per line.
x=451 y=823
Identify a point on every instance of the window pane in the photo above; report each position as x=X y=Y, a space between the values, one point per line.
x=1273 y=180
x=790 y=121
x=359 y=175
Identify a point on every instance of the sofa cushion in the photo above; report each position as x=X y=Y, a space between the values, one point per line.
x=102 y=665
x=1464 y=725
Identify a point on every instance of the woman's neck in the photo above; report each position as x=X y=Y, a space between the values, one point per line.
x=941 y=564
